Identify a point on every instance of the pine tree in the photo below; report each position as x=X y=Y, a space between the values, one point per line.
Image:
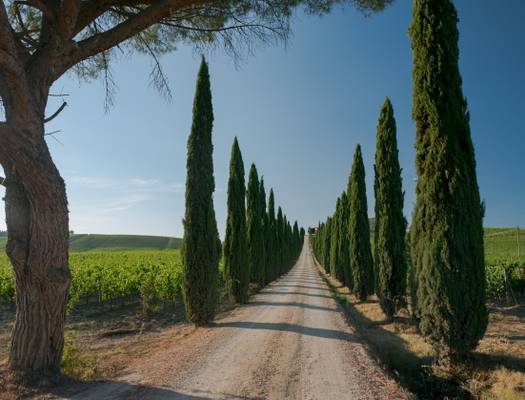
x=200 y=252
x=359 y=231
x=447 y=232
x=255 y=228
x=236 y=269
x=390 y=229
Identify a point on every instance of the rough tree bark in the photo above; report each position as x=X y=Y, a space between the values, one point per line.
x=37 y=223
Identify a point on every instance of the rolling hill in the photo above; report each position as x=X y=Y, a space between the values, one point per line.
x=88 y=242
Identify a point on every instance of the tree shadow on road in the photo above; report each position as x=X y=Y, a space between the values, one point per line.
x=285 y=327
x=87 y=390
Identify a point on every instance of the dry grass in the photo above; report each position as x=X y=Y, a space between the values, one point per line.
x=496 y=371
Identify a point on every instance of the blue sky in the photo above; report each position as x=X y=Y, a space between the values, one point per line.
x=298 y=111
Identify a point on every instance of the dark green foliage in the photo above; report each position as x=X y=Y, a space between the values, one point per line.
x=268 y=249
x=343 y=269
x=255 y=228
x=390 y=229
x=359 y=231
x=335 y=241
x=272 y=239
x=200 y=255
x=236 y=268
x=446 y=233
x=279 y=234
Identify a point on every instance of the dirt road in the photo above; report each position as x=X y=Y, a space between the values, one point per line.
x=290 y=342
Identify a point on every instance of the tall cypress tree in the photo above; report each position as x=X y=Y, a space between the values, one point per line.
x=390 y=229
x=255 y=228
x=279 y=231
x=327 y=244
x=296 y=237
x=334 y=243
x=359 y=231
x=200 y=252
x=447 y=232
x=272 y=239
x=236 y=269
x=266 y=233
x=344 y=258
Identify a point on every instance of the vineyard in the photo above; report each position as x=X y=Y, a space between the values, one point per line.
x=110 y=276
x=113 y=276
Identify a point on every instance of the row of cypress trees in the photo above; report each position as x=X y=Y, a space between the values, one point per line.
x=446 y=271
x=259 y=245
x=343 y=241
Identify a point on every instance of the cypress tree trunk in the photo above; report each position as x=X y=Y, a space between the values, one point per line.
x=359 y=231
x=201 y=245
x=390 y=230
x=447 y=233
x=236 y=269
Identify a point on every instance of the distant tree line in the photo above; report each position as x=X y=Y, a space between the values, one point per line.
x=444 y=275
x=259 y=244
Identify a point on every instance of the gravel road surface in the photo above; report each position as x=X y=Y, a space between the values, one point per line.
x=291 y=341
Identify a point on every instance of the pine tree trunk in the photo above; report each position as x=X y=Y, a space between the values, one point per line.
x=38 y=230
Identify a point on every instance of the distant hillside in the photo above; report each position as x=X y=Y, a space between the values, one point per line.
x=82 y=242
x=116 y=242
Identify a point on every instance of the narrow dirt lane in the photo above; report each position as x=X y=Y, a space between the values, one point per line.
x=290 y=342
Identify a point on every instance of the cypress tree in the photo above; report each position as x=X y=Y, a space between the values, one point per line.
x=266 y=233
x=296 y=237
x=326 y=244
x=272 y=242
x=359 y=231
x=334 y=243
x=200 y=252
x=446 y=232
x=390 y=229
x=279 y=230
x=254 y=221
x=344 y=258
x=236 y=269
